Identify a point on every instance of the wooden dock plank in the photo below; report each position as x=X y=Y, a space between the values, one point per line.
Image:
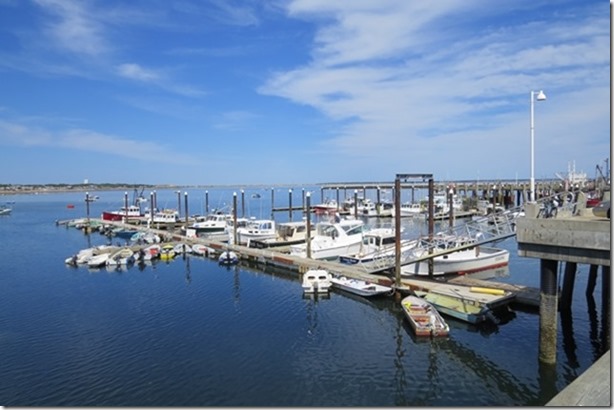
x=592 y=388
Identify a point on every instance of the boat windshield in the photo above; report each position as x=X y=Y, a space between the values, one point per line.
x=353 y=229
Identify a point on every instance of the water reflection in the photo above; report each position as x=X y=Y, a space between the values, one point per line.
x=312 y=300
x=569 y=343
x=399 y=369
x=236 y=283
x=188 y=270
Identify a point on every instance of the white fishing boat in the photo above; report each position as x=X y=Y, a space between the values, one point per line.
x=287 y=233
x=411 y=209
x=164 y=217
x=256 y=229
x=213 y=223
x=359 y=287
x=316 y=281
x=329 y=206
x=333 y=239
x=377 y=243
x=460 y=262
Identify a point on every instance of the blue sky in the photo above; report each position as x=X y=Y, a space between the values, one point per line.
x=301 y=91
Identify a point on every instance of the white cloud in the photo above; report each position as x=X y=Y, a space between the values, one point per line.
x=17 y=134
x=136 y=72
x=399 y=84
x=75 y=29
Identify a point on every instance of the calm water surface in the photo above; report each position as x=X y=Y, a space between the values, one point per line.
x=192 y=333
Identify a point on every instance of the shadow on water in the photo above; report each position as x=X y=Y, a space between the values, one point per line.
x=599 y=337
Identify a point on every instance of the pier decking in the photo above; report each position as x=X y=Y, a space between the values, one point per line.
x=592 y=388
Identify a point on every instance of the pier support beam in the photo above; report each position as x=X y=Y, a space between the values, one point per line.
x=548 y=311
x=568 y=282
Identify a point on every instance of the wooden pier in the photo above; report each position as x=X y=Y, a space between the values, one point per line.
x=593 y=388
x=273 y=257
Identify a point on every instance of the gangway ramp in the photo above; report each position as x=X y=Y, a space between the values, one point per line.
x=483 y=230
x=490 y=228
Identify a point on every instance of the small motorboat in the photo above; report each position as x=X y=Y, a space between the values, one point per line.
x=316 y=281
x=203 y=250
x=123 y=256
x=167 y=252
x=228 y=258
x=423 y=317
x=150 y=252
x=98 y=260
x=360 y=287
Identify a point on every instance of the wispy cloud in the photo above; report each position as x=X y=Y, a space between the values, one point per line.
x=393 y=83
x=136 y=72
x=235 y=120
x=74 y=28
x=17 y=134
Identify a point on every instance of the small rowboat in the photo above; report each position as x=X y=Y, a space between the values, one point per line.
x=424 y=318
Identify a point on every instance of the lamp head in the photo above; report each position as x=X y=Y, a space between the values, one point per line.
x=541 y=96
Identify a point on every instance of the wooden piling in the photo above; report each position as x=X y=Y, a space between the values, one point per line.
x=548 y=311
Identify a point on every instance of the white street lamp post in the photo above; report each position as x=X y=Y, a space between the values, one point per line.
x=540 y=97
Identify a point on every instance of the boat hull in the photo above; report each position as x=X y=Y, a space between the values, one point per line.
x=360 y=287
x=316 y=281
x=461 y=262
x=458 y=308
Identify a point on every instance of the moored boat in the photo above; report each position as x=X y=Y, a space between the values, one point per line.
x=131 y=211
x=228 y=258
x=333 y=239
x=359 y=287
x=377 y=243
x=203 y=250
x=329 y=206
x=460 y=262
x=316 y=281
x=256 y=230
x=424 y=319
x=287 y=233
x=167 y=252
x=98 y=260
x=150 y=252
x=123 y=256
x=458 y=307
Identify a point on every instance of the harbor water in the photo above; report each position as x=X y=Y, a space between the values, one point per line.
x=192 y=333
